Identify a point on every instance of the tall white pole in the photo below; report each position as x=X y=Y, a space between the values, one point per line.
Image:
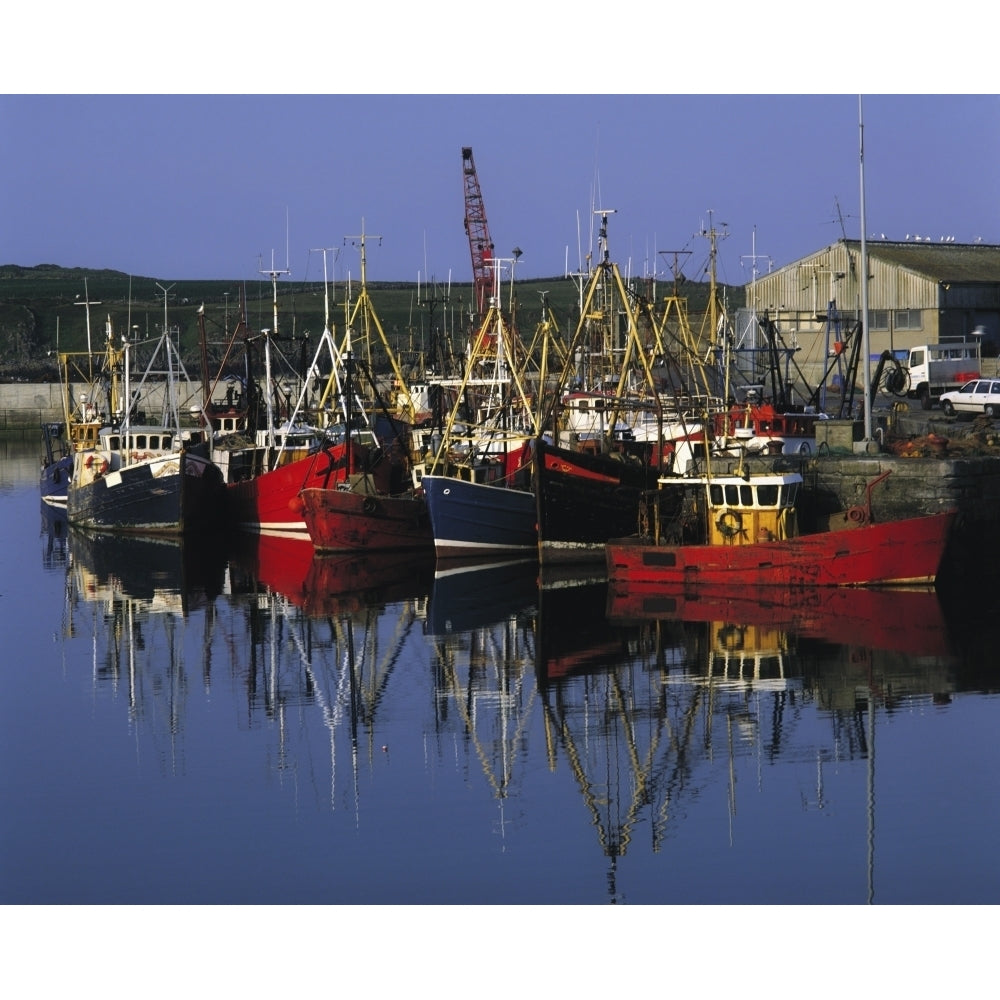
x=865 y=336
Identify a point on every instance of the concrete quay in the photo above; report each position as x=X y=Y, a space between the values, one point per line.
x=25 y=405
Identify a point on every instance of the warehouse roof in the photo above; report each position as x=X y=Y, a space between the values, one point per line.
x=952 y=262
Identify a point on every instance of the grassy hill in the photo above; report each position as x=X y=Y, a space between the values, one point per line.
x=43 y=311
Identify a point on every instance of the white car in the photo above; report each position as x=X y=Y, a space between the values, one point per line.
x=981 y=395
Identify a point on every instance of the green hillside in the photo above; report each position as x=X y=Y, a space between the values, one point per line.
x=43 y=311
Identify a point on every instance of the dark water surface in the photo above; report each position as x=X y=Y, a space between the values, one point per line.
x=206 y=724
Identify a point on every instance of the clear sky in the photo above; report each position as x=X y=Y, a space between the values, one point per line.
x=178 y=186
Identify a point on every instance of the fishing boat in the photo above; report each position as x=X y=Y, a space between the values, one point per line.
x=478 y=483
x=91 y=399
x=622 y=414
x=57 y=463
x=347 y=435
x=379 y=508
x=739 y=529
x=145 y=477
x=286 y=449
x=585 y=498
x=347 y=520
x=477 y=519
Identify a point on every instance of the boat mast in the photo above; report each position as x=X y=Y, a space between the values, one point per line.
x=171 y=400
x=326 y=285
x=269 y=401
x=86 y=303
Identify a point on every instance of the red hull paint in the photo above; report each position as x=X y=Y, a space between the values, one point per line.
x=897 y=552
x=908 y=621
x=264 y=502
x=267 y=502
x=341 y=521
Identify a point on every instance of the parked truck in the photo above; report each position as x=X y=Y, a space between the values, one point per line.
x=936 y=368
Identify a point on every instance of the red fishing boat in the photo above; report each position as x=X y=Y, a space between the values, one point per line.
x=264 y=502
x=740 y=529
x=350 y=521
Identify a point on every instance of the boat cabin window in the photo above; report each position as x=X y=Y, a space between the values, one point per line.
x=767 y=495
x=140 y=441
x=763 y=495
x=114 y=442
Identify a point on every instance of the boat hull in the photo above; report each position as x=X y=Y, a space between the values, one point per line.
x=265 y=503
x=585 y=499
x=903 y=552
x=57 y=465
x=473 y=520
x=169 y=494
x=344 y=521
x=54 y=481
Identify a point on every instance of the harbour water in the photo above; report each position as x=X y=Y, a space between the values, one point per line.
x=212 y=723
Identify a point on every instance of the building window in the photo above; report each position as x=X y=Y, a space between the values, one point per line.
x=909 y=319
x=878 y=319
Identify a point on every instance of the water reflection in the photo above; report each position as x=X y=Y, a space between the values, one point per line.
x=643 y=702
x=481 y=633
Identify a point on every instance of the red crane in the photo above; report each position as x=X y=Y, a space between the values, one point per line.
x=479 y=235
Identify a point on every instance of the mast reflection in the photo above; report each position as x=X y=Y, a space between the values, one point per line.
x=632 y=704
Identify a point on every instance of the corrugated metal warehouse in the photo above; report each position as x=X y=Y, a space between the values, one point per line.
x=919 y=292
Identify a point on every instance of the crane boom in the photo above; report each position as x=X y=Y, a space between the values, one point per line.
x=478 y=232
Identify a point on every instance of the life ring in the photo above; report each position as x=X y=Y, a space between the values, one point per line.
x=730 y=523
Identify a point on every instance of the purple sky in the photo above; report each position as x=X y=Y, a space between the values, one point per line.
x=179 y=187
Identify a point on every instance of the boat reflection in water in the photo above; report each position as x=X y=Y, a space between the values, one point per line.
x=55 y=536
x=481 y=633
x=672 y=692
x=336 y=583
x=563 y=702
x=906 y=620
x=132 y=596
